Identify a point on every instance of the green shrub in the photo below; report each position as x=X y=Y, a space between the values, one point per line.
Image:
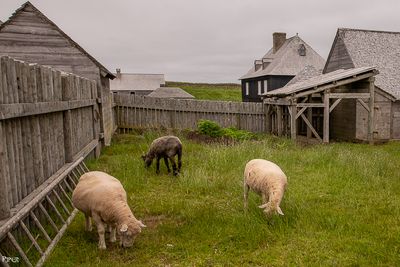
x=212 y=129
x=236 y=134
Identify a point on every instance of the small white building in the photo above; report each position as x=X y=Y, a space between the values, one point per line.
x=136 y=83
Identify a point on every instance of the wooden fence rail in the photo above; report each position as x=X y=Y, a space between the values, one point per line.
x=140 y=111
x=46 y=118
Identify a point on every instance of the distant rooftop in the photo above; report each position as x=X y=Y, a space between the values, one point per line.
x=170 y=92
x=136 y=81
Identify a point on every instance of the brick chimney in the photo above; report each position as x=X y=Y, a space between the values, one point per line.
x=279 y=39
x=118 y=73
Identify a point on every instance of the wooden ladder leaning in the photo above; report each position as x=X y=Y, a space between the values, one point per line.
x=29 y=236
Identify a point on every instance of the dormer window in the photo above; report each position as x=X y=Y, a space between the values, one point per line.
x=257 y=65
x=265 y=63
x=302 y=50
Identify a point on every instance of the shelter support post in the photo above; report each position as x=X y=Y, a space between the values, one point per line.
x=279 y=119
x=293 y=125
x=371 y=113
x=326 y=118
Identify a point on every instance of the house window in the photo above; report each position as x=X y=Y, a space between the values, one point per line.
x=259 y=88
x=265 y=86
x=247 y=88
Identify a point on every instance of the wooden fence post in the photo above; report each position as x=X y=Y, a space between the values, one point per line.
x=96 y=118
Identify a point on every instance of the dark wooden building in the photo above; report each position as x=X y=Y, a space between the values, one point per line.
x=356 y=98
x=30 y=36
x=278 y=66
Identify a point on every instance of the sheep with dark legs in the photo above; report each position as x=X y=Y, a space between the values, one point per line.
x=165 y=147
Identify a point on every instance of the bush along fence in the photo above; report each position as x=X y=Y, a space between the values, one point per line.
x=139 y=111
x=48 y=121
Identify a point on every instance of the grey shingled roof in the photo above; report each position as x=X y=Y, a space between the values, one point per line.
x=170 y=92
x=319 y=80
x=287 y=61
x=376 y=48
x=305 y=74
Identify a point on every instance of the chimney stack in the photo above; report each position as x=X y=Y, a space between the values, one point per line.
x=118 y=73
x=279 y=39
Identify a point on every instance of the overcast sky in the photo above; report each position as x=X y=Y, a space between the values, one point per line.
x=203 y=40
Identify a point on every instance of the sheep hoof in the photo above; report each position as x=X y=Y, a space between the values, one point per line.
x=102 y=247
x=113 y=240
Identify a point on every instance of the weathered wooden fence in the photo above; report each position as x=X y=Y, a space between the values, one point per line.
x=140 y=111
x=49 y=121
x=47 y=118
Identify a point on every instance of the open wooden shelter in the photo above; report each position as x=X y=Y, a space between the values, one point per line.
x=338 y=104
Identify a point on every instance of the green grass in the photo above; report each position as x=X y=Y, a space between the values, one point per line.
x=342 y=207
x=209 y=91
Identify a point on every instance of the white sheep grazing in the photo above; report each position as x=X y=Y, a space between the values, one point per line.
x=102 y=197
x=268 y=180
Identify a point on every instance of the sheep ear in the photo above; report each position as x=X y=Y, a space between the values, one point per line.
x=279 y=211
x=263 y=206
x=124 y=228
x=141 y=224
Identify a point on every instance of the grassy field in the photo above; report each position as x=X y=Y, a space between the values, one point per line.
x=211 y=91
x=342 y=207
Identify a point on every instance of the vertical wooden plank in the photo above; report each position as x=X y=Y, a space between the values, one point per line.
x=12 y=82
x=11 y=160
x=1 y=82
x=67 y=94
x=326 y=118
x=4 y=177
x=3 y=77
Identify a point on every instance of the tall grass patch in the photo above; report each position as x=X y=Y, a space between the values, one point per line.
x=342 y=207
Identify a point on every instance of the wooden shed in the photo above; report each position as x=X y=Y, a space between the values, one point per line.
x=336 y=105
x=350 y=100
x=28 y=35
x=354 y=48
x=278 y=66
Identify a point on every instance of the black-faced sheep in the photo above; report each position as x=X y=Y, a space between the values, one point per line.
x=101 y=197
x=268 y=180
x=165 y=147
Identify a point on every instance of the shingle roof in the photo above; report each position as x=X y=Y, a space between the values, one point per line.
x=28 y=4
x=287 y=61
x=320 y=80
x=305 y=74
x=376 y=48
x=170 y=92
